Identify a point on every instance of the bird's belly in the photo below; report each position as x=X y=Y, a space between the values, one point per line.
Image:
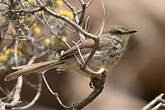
x=108 y=58
x=101 y=58
x=72 y=66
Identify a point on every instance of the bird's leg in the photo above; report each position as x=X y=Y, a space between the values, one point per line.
x=95 y=80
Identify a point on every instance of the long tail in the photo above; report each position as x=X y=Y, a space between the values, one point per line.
x=33 y=68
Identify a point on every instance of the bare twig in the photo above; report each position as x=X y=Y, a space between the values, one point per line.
x=53 y=93
x=72 y=23
x=2 y=105
x=156 y=103
x=73 y=10
x=46 y=25
x=16 y=93
x=102 y=27
x=36 y=96
x=27 y=11
x=77 y=20
x=87 y=5
x=70 y=47
x=158 y=106
x=99 y=86
x=16 y=52
x=67 y=28
x=86 y=23
x=17 y=89
x=1 y=89
x=79 y=51
x=83 y=6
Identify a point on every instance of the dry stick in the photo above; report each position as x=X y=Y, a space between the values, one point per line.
x=79 y=51
x=153 y=102
x=158 y=106
x=39 y=84
x=86 y=23
x=17 y=89
x=2 y=90
x=82 y=37
x=99 y=86
x=83 y=6
x=87 y=5
x=27 y=11
x=73 y=10
x=36 y=96
x=46 y=25
x=67 y=28
x=102 y=27
x=2 y=105
x=70 y=47
x=54 y=93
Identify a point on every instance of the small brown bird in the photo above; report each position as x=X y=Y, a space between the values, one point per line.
x=111 y=48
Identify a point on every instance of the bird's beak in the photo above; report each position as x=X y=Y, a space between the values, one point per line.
x=130 y=32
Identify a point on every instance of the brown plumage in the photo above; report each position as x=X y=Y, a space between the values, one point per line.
x=111 y=48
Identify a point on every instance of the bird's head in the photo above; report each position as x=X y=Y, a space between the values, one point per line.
x=119 y=32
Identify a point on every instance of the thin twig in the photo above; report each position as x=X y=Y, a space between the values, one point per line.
x=102 y=27
x=70 y=47
x=16 y=52
x=158 y=106
x=83 y=6
x=67 y=28
x=86 y=23
x=153 y=102
x=17 y=89
x=53 y=93
x=73 y=10
x=72 y=23
x=79 y=51
x=87 y=5
x=1 y=89
x=36 y=96
x=27 y=11
x=48 y=27
x=16 y=93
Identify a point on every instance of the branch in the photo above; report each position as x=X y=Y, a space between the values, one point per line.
x=72 y=23
x=83 y=6
x=36 y=96
x=27 y=11
x=98 y=88
x=53 y=93
x=156 y=103
x=102 y=27
x=17 y=89
x=87 y=5
x=73 y=10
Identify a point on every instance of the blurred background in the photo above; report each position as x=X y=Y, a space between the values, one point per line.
x=139 y=76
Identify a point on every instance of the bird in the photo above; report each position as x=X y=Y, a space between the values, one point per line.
x=112 y=46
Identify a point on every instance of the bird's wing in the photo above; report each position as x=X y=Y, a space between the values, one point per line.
x=84 y=47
